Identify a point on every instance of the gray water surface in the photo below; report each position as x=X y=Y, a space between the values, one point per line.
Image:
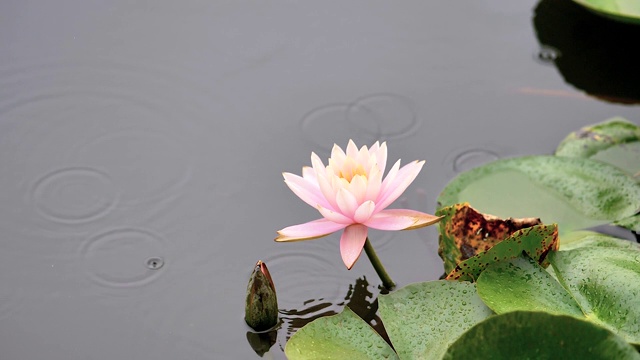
x=142 y=146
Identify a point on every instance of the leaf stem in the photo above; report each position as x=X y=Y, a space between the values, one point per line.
x=377 y=265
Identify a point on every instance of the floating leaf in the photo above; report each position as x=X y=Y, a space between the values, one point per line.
x=626 y=157
x=605 y=281
x=522 y=284
x=539 y=335
x=615 y=141
x=573 y=192
x=592 y=139
x=536 y=241
x=578 y=239
x=341 y=336
x=422 y=319
x=632 y=223
x=627 y=11
x=464 y=232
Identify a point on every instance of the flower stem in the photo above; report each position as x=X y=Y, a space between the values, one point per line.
x=375 y=261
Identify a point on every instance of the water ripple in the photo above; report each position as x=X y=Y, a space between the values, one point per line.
x=121 y=258
x=382 y=116
x=100 y=140
x=462 y=160
x=330 y=124
x=294 y=269
x=155 y=164
x=74 y=195
x=395 y=114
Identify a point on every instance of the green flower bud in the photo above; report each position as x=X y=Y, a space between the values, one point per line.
x=261 y=308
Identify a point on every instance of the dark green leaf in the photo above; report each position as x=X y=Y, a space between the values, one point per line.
x=539 y=335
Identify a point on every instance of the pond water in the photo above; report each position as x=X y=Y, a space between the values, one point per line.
x=142 y=146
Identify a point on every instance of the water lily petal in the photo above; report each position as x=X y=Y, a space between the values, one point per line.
x=400 y=219
x=337 y=156
x=389 y=178
x=399 y=184
x=334 y=216
x=352 y=149
x=307 y=191
x=380 y=152
x=310 y=230
x=351 y=243
x=317 y=165
x=328 y=190
x=363 y=156
x=364 y=211
x=374 y=182
x=358 y=187
x=347 y=203
x=310 y=175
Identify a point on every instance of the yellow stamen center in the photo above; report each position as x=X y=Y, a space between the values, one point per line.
x=350 y=169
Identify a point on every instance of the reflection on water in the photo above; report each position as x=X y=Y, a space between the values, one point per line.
x=261 y=342
x=592 y=53
x=140 y=163
x=359 y=298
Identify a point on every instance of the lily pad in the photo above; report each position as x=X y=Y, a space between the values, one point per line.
x=615 y=141
x=575 y=193
x=341 y=336
x=627 y=11
x=536 y=241
x=579 y=239
x=522 y=284
x=626 y=157
x=464 y=232
x=592 y=139
x=539 y=335
x=605 y=281
x=422 y=319
x=632 y=223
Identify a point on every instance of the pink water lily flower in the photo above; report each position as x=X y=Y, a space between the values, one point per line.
x=351 y=194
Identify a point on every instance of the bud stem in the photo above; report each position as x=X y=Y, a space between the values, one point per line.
x=377 y=265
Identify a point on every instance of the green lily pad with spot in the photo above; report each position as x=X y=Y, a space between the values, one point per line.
x=605 y=282
x=579 y=239
x=539 y=335
x=593 y=139
x=632 y=223
x=627 y=11
x=616 y=142
x=536 y=241
x=522 y=284
x=422 y=319
x=575 y=193
x=626 y=157
x=341 y=336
